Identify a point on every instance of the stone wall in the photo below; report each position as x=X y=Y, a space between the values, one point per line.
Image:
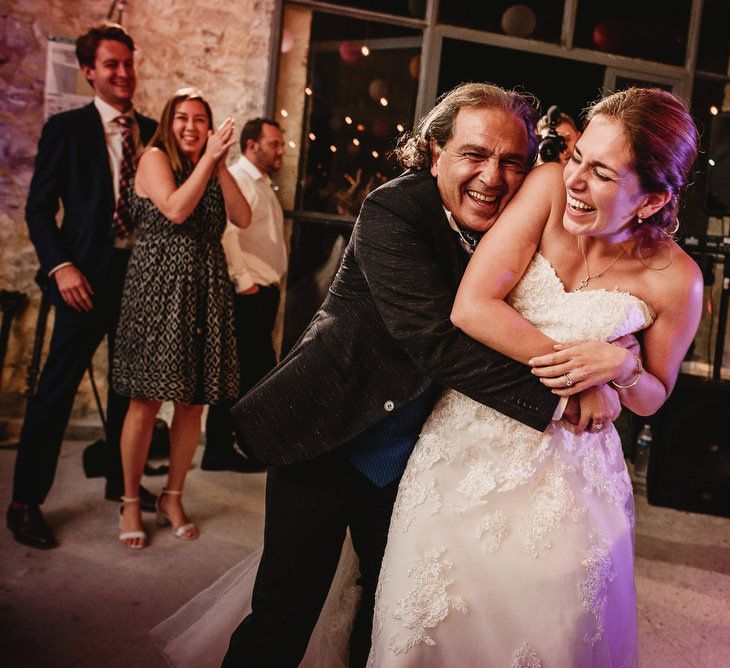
x=221 y=48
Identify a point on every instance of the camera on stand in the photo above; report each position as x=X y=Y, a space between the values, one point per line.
x=551 y=143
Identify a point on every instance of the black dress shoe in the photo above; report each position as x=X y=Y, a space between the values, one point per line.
x=148 y=499
x=230 y=461
x=28 y=527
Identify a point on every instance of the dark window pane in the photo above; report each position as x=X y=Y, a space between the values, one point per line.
x=707 y=100
x=714 y=47
x=567 y=83
x=648 y=29
x=359 y=106
x=536 y=19
x=316 y=252
x=622 y=83
x=410 y=8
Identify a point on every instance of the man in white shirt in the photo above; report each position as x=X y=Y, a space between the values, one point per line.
x=85 y=158
x=257 y=261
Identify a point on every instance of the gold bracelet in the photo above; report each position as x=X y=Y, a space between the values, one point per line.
x=639 y=371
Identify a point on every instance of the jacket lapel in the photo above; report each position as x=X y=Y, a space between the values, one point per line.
x=448 y=250
x=95 y=140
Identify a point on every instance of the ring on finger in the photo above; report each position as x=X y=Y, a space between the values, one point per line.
x=597 y=426
x=568 y=380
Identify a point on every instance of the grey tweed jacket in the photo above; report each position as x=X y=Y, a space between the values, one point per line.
x=382 y=336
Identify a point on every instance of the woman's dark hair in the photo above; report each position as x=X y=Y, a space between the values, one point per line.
x=88 y=43
x=414 y=150
x=164 y=139
x=663 y=142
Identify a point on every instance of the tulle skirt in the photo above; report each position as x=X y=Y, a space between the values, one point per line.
x=197 y=635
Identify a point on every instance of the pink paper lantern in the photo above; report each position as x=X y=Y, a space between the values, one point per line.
x=350 y=51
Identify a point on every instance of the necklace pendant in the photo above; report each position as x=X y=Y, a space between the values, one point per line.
x=582 y=284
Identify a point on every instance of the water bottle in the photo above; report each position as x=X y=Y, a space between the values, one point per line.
x=641 y=452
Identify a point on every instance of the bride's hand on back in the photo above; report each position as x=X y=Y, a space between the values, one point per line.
x=576 y=366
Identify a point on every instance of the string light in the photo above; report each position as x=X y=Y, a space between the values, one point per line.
x=333 y=148
x=312 y=136
x=284 y=113
x=400 y=127
x=348 y=120
x=365 y=51
x=711 y=162
x=375 y=154
x=307 y=91
x=356 y=141
x=360 y=127
x=384 y=101
x=292 y=144
x=714 y=110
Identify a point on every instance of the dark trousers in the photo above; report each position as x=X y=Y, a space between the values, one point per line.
x=308 y=509
x=254 y=319
x=76 y=336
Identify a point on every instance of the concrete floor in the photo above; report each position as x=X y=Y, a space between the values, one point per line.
x=90 y=603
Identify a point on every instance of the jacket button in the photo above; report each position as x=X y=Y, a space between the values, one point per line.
x=389 y=405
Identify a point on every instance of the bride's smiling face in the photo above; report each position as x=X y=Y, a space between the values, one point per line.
x=604 y=191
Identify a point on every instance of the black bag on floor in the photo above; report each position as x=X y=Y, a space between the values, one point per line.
x=94 y=456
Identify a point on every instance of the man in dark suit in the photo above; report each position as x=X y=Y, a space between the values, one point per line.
x=338 y=418
x=85 y=157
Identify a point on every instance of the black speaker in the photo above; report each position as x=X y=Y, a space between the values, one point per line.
x=717 y=189
x=689 y=461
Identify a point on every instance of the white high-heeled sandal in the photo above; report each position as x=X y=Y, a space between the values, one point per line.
x=130 y=535
x=163 y=519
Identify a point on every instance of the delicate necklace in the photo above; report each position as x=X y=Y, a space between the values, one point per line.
x=588 y=277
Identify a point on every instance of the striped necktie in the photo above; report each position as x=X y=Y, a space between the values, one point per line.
x=122 y=222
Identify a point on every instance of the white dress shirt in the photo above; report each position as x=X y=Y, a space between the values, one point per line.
x=256 y=255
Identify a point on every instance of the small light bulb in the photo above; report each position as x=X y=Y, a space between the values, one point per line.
x=292 y=144
x=348 y=120
x=375 y=154
x=284 y=113
x=333 y=148
x=384 y=101
x=356 y=141
x=714 y=110
x=307 y=91
x=365 y=51
x=400 y=127
x=312 y=136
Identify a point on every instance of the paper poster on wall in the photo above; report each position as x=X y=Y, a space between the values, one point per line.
x=66 y=87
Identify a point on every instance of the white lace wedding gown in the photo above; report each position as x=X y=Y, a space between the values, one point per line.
x=507 y=547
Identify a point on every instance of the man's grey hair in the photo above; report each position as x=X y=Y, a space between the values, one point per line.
x=414 y=148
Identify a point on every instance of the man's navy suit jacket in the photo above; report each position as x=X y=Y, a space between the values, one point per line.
x=383 y=336
x=73 y=165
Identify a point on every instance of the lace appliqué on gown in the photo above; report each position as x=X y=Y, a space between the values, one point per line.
x=593 y=590
x=427 y=603
x=526 y=657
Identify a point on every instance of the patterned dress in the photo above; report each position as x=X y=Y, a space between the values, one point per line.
x=175 y=338
x=507 y=546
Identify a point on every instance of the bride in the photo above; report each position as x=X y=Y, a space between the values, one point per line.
x=508 y=546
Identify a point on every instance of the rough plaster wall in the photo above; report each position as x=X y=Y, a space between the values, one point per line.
x=221 y=48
